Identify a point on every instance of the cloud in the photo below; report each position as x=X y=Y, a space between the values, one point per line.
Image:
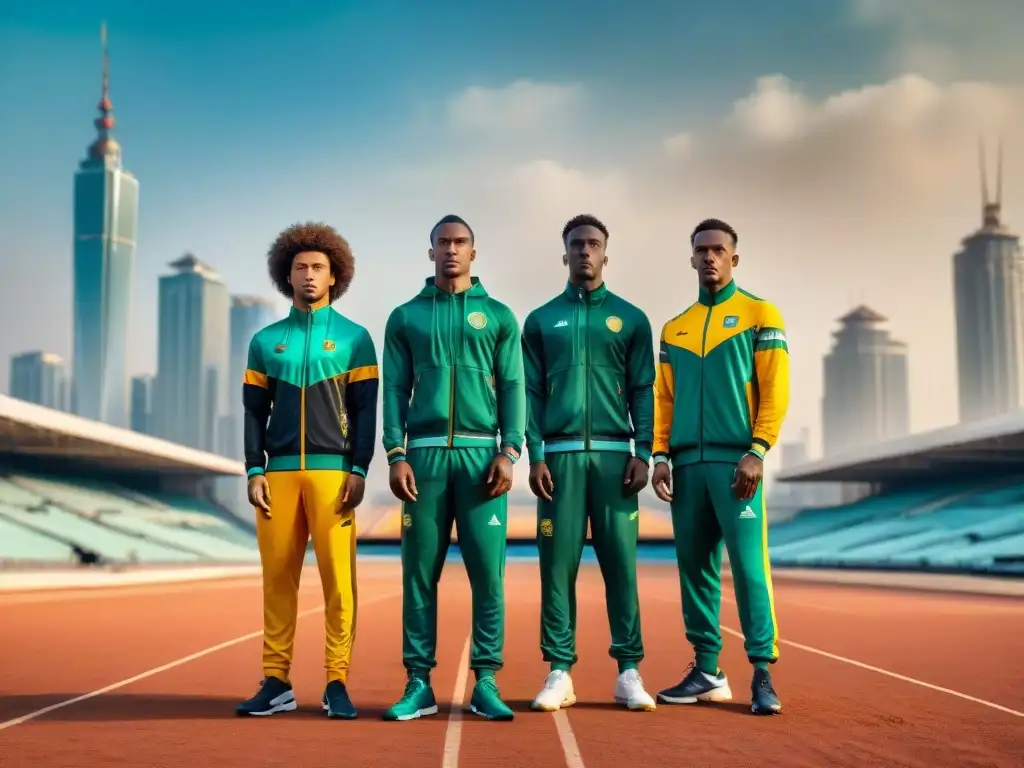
x=947 y=39
x=523 y=105
x=859 y=196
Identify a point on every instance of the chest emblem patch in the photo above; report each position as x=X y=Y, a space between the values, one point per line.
x=614 y=324
x=280 y=348
x=329 y=345
x=477 y=319
x=730 y=321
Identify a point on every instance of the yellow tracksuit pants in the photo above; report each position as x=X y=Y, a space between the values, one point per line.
x=303 y=505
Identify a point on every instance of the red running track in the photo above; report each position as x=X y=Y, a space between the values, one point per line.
x=161 y=668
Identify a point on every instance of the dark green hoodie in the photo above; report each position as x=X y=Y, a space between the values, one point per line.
x=452 y=373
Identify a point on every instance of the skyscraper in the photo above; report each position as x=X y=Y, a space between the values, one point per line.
x=867 y=391
x=105 y=221
x=248 y=315
x=39 y=377
x=988 y=282
x=192 y=355
x=142 y=404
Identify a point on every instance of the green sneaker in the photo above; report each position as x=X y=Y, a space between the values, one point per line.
x=487 y=703
x=417 y=701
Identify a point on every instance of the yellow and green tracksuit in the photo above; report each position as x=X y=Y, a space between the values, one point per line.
x=453 y=380
x=722 y=392
x=589 y=362
x=310 y=397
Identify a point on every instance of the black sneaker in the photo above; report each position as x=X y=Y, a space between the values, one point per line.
x=336 y=702
x=763 y=699
x=273 y=696
x=697 y=686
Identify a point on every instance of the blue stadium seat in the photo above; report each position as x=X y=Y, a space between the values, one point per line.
x=25 y=544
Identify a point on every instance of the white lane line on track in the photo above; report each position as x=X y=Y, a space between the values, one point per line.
x=168 y=666
x=453 y=732
x=887 y=673
x=571 y=749
x=878 y=670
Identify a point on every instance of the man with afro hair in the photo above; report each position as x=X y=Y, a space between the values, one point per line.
x=453 y=381
x=310 y=397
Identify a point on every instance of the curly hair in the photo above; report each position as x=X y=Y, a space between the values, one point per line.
x=711 y=225
x=311 y=237
x=584 y=220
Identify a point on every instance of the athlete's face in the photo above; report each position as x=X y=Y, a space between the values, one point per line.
x=311 y=277
x=714 y=256
x=585 y=254
x=453 y=250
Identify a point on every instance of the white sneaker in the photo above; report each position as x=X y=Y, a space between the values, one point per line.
x=557 y=692
x=629 y=691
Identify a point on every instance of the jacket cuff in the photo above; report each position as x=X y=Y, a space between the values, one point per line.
x=642 y=451
x=254 y=471
x=357 y=470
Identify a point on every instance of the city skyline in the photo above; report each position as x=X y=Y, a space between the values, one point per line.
x=929 y=171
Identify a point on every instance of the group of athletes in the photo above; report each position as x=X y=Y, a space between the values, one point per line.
x=463 y=390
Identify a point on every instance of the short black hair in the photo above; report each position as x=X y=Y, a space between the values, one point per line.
x=311 y=237
x=710 y=225
x=584 y=220
x=451 y=218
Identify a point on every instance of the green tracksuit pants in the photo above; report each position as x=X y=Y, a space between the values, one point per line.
x=705 y=511
x=588 y=486
x=451 y=486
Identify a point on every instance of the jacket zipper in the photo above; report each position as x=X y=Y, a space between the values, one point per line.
x=341 y=406
x=451 y=361
x=703 y=348
x=586 y=368
x=302 y=392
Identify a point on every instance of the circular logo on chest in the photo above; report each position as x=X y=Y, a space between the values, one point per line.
x=329 y=345
x=477 y=319
x=614 y=324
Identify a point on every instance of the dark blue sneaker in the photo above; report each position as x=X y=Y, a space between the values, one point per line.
x=763 y=699
x=336 y=702
x=273 y=696
x=697 y=686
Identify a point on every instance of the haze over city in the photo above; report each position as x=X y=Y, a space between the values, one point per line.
x=850 y=170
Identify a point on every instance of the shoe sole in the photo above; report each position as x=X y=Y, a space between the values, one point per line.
x=485 y=716
x=769 y=711
x=287 y=706
x=336 y=716
x=567 y=702
x=636 y=707
x=724 y=693
x=425 y=712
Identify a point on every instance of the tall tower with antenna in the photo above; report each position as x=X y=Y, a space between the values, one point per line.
x=106 y=204
x=988 y=284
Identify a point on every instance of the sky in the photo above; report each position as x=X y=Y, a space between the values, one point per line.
x=839 y=138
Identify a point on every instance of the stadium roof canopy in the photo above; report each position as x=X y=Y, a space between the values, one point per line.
x=987 y=445
x=34 y=431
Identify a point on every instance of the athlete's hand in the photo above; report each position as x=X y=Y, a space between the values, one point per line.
x=635 y=477
x=352 y=493
x=663 y=482
x=259 y=493
x=540 y=481
x=749 y=472
x=499 y=475
x=403 y=481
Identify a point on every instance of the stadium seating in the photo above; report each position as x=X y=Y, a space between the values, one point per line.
x=947 y=528
x=51 y=519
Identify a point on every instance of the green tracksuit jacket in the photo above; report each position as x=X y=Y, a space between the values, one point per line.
x=452 y=373
x=595 y=349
